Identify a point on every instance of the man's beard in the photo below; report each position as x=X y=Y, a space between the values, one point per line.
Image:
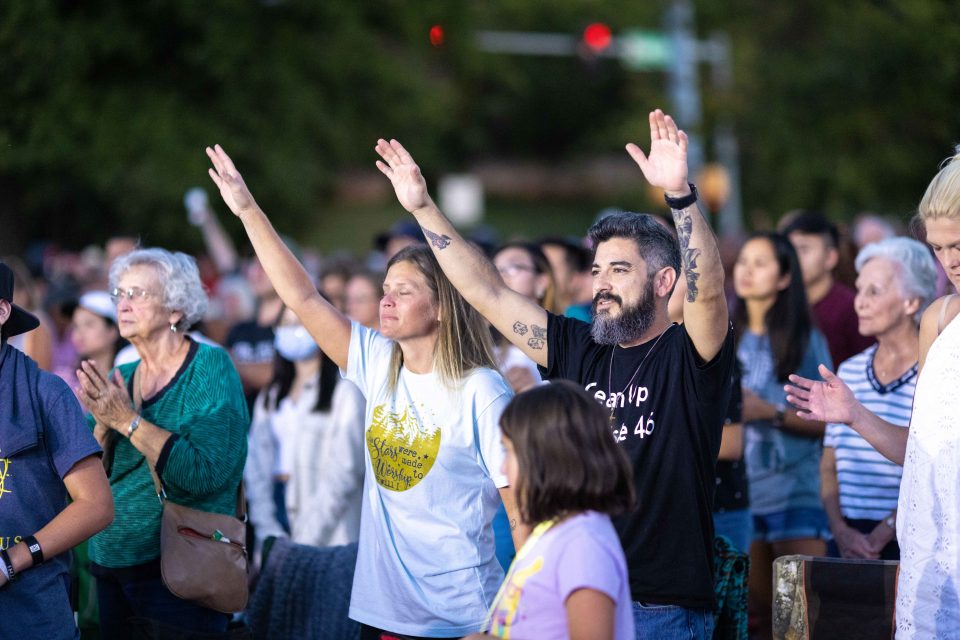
x=629 y=325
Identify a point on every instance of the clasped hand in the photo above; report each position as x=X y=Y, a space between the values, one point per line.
x=105 y=397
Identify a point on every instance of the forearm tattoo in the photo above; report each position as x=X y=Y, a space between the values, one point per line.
x=439 y=241
x=539 y=339
x=688 y=255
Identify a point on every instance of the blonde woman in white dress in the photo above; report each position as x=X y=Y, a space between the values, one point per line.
x=928 y=520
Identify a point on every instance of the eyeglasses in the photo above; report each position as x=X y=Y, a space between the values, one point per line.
x=510 y=270
x=133 y=294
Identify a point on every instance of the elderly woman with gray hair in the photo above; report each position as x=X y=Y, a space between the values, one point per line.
x=179 y=409
x=859 y=486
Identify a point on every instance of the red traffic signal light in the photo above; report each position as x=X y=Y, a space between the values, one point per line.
x=597 y=37
x=437 y=35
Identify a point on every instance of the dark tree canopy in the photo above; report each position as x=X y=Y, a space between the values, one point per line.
x=106 y=107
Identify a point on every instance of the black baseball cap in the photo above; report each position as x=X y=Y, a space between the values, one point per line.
x=20 y=320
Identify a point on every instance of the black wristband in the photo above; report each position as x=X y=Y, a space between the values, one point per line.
x=678 y=204
x=35 y=551
x=11 y=572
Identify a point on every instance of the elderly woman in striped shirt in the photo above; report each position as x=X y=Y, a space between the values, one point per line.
x=859 y=486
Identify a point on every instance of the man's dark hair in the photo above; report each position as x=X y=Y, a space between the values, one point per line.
x=577 y=258
x=567 y=460
x=788 y=321
x=814 y=223
x=658 y=247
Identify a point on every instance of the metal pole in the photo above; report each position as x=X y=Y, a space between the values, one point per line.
x=730 y=220
x=682 y=83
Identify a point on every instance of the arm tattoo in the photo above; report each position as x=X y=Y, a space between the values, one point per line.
x=440 y=242
x=539 y=332
x=513 y=524
x=688 y=256
x=519 y=328
x=536 y=343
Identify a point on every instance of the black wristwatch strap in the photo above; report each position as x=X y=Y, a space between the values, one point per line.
x=35 y=551
x=11 y=572
x=678 y=204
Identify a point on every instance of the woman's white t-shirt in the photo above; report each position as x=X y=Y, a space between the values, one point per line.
x=426 y=565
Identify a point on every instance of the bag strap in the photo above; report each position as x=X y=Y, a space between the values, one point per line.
x=241 y=506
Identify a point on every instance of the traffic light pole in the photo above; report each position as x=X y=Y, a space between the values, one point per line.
x=678 y=52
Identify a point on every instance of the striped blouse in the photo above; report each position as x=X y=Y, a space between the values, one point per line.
x=869 y=483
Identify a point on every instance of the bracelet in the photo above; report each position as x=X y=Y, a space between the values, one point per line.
x=678 y=204
x=36 y=552
x=133 y=426
x=8 y=569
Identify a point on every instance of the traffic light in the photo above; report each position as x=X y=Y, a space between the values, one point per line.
x=437 y=35
x=597 y=37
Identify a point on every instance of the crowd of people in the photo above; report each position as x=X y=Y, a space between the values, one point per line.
x=540 y=439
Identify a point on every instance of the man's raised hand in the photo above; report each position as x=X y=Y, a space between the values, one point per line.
x=666 y=166
x=404 y=174
x=232 y=188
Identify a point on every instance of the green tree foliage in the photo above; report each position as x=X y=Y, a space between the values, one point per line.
x=106 y=107
x=843 y=106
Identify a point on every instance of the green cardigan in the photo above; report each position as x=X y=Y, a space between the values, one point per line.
x=201 y=466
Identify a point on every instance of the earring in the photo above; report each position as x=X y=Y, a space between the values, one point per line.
x=173 y=327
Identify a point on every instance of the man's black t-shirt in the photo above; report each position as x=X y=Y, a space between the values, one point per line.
x=668 y=420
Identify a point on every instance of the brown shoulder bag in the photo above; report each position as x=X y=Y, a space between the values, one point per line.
x=203 y=556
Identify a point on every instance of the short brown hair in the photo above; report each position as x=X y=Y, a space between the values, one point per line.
x=567 y=459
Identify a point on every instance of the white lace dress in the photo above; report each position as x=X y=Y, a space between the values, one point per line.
x=928 y=520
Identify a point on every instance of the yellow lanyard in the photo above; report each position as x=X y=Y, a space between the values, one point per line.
x=537 y=533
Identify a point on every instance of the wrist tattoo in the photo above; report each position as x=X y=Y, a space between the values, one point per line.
x=688 y=255
x=536 y=343
x=441 y=242
x=519 y=328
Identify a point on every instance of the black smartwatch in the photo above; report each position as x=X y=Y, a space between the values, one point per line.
x=678 y=204
x=35 y=551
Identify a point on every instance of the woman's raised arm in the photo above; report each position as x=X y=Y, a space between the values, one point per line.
x=329 y=327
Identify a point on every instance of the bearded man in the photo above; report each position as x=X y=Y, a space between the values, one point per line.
x=666 y=386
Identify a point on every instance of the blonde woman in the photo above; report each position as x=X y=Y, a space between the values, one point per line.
x=426 y=564
x=928 y=511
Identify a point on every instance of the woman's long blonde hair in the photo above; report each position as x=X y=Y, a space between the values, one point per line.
x=464 y=343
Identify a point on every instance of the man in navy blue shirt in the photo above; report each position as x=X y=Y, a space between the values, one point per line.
x=46 y=454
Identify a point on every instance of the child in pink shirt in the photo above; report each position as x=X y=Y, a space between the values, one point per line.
x=569 y=579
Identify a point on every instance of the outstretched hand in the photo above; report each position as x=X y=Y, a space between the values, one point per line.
x=827 y=401
x=232 y=188
x=666 y=166
x=404 y=174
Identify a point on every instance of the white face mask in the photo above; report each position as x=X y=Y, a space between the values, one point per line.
x=295 y=343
